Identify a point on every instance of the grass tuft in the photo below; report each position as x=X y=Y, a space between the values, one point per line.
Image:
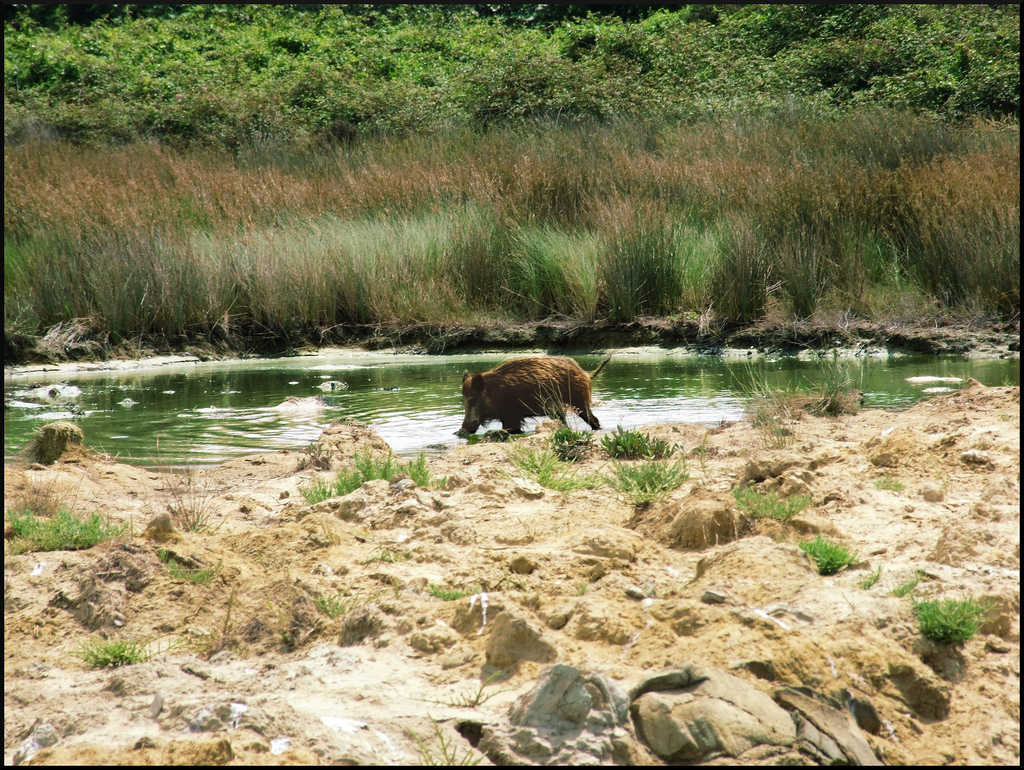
x=767 y=505
x=633 y=445
x=544 y=467
x=111 y=653
x=570 y=445
x=641 y=484
x=829 y=556
x=61 y=532
x=949 y=621
x=889 y=483
x=452 y=594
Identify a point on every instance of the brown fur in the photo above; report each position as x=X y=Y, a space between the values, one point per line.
x=526 y=387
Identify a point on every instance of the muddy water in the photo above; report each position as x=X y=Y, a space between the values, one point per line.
x=201 y=413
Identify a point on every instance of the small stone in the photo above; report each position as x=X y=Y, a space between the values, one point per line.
x=932 y=492
x=156 y=706
x=635 y=592
x=522 y=565
x=712 y=596
x=976 y=458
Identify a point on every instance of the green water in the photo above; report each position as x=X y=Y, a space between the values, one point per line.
x=208 y=412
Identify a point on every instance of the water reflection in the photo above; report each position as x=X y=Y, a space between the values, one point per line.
x=205 y=413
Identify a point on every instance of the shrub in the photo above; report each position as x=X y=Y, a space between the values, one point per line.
x=829 y=556
x=633 y=445
x=949 y=621
x=570 y=445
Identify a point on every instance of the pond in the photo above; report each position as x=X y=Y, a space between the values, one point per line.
x=202 y=413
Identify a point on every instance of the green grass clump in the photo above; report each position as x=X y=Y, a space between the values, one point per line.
x=829 y=556
x=908 y=587
x=111 y=653
x=340 y=604
x=767 y=505
x=633 y=445
x=368 y=467
x=544 y=467
x=202 y=576
x=871 y=578
x=61 y=532
x=570 y=445
x=949 y=621
x=888 y=482
x=648 y=482
x=452 y=594
x=316 y=491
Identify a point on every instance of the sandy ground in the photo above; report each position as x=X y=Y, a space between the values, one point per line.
x=250 y=670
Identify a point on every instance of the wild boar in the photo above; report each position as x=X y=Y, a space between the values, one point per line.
x=527 y=387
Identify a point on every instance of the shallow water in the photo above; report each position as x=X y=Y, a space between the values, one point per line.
x=202 y=413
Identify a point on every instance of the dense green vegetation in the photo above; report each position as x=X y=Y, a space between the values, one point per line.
x=243 y=73
x=273 y=171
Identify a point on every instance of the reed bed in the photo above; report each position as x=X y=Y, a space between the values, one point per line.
x=872 y=214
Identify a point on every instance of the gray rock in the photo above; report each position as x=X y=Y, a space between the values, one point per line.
x=156 y=706
x=691 y=713
x=568 y=718
x=832 y=732
x=42 y=736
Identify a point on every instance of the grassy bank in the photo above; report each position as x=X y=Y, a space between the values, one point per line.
x=872 y=215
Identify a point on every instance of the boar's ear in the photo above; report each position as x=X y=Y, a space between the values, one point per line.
x=478 y=383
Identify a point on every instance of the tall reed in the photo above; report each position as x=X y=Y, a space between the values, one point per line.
x=875 y=213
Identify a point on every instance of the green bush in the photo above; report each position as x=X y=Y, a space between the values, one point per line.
x=949 y=621
x=829 y=556
x=570 y=445
x=633 y=445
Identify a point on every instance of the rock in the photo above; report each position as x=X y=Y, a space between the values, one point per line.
x=528 y=490
x=564 y=697
x=702 y=525
x=522 y=565
x=42 y=736
x=689 y=713
x=161 y=529
x=712 y=596
x=595 y=620
x=366 y=622
x=769 y=467
x=620 y=546
x=514 y=639
x=52 y=441
x=974 y=458
x=156 y=706
x=833 y=733
x=810 y=523
x=919 y=689
x=568 y=718
x=434 y=639
x=684 y=616
x=931 y=492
